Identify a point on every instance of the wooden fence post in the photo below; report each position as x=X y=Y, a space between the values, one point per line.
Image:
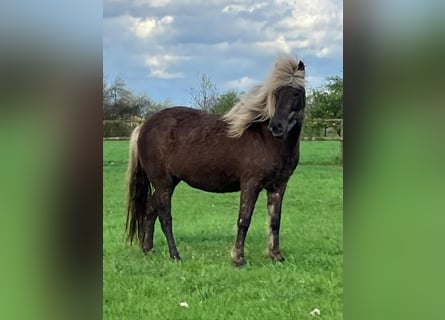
x=341 y=141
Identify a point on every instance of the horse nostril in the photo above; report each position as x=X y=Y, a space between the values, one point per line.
x=277 y=129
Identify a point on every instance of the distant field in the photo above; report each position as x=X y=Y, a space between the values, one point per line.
x=136 y=286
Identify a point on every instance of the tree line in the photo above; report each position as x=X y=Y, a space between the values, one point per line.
x=121 y=103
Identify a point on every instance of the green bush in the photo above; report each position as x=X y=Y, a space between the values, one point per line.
x=118 y=128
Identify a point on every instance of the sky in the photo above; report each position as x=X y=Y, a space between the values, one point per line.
x=162 y=47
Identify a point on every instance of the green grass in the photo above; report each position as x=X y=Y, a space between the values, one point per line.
x=136 y=286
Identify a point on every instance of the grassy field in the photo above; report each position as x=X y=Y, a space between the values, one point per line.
x=136 y=286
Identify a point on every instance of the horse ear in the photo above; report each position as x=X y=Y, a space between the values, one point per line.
x=300 y=65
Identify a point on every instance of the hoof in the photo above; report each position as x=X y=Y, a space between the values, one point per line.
x=147 y=249
x=239 y=262
x=237 y=259
x=276 y=257
x=176 y=257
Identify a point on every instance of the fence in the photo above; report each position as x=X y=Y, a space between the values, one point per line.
x=324 y=130
x=313 y=130
x=119 y=129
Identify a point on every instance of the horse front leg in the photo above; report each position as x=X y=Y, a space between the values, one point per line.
x=249 y=195
x=274 y=202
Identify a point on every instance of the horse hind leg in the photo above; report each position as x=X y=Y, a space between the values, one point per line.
x=148 y=226
x=163 y=204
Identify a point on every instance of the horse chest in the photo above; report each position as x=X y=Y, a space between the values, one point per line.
x=280 y=172
x=287 y=167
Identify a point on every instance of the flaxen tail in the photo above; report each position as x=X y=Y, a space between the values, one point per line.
x=138 y=190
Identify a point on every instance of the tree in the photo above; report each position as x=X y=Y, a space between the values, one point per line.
x=226 y=101
x=327 y=102
x=120 y=103
x=206 y=96
x=152 y=106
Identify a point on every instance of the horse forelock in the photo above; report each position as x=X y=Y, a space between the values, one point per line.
x=258 y=104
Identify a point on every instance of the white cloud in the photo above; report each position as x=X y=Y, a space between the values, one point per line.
x=167 y=19
x=164 y=60
x=143 y=28
x=321 y=23
x=279 y=45
x=242 y=84
x=162 y=74
x=237 y=8
x=153 y=3
x=305 y=22
x=323 y=52
x=158 y=65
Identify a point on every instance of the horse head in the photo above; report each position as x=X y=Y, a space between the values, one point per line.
x=289 y=105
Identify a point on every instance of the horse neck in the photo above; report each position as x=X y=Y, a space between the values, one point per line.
x=293 y=137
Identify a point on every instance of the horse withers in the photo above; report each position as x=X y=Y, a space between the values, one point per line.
x=252 y=147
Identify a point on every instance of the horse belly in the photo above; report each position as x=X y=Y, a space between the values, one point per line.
x=213 y=180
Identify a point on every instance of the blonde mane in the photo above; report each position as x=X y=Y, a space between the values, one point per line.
x=259 y=103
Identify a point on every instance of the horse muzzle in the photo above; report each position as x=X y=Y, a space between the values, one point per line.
x=278 y=129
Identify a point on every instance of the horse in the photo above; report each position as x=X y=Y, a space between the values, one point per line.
x=252 y=147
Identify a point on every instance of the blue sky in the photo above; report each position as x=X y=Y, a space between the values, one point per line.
x=161 y=47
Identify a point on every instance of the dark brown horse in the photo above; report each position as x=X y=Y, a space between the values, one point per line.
x=254 y=146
